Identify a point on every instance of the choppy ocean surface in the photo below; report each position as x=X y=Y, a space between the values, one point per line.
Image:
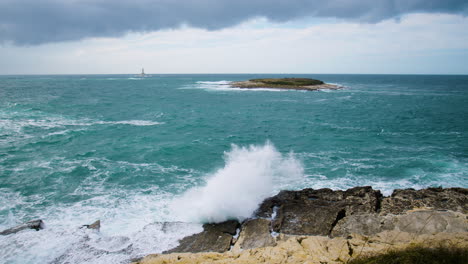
x=136 y=152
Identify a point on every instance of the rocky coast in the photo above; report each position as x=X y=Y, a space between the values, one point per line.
x=326 y=226
x=285 y=83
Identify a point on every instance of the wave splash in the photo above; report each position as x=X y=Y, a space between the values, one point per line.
x=250 y=175
x=226 y=86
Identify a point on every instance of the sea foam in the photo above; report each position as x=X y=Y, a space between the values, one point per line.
x=226 y=86
x=250 y=175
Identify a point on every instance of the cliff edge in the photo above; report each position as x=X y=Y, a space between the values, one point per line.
x=326 y=226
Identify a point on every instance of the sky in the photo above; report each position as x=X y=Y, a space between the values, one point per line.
x=233 y=36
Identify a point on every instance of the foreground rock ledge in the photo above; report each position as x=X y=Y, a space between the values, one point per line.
x=285 y=83
x=316 y=249
x=326 y=226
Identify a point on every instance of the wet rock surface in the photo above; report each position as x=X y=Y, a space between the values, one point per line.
x=214 y=238
x=255 y=233
x=96 y=225
x=316 y=212
x=34 y=224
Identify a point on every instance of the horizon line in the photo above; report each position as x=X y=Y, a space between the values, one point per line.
x=256 y=73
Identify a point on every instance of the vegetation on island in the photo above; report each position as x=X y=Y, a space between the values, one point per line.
x=284 y=83
x=288 y=81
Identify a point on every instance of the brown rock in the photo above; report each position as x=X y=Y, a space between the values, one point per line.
x=213 y=238
x=415 y=222
x=454 y=199
x=255 y=233
x=316 y=212
x=34 y=224
x=96 y=225
x=317 y=249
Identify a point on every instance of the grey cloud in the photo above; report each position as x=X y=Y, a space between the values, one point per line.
x=32 y=22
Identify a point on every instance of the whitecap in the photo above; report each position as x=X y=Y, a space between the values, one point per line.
x=128 y=122
x=226 y=86
x=250 y=175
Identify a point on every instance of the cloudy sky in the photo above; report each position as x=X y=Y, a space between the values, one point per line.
x=233 y=36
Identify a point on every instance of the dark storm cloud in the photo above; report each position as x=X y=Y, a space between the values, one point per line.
x=41 y=21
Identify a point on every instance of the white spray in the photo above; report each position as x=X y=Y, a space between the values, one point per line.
x=250 y=175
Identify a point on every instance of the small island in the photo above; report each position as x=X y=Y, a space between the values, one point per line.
x=285 y=83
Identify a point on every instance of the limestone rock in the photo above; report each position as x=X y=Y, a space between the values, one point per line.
x=34 y=224
x=316 y=249
x=316 y=212
x=255 y=233
x=213 y=238
x=454 y=199
x=414 y=222
x=326 y=226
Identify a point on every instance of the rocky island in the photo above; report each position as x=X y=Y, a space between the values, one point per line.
x=285 y=83
x=326 y=226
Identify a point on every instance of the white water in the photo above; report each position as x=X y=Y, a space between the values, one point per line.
x=226 y=86
x=250 y=175
x=17 y=121
x=132 y=223
x=131 y=226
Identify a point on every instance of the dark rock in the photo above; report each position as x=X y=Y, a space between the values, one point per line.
x=316 y=212
x=454 y=199
x=360 y=210
x=96 y=225
x=214 y=238
x=255 y=233
x=34 y=224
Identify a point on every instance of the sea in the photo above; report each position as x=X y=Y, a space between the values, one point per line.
x=154 y=158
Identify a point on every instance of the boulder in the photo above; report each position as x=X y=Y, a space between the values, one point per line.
x=34 y=224
x=255 y=233
x=316 y=212
x=454 y=199
x=415 y=222
x=96 y=225
x=213 y=238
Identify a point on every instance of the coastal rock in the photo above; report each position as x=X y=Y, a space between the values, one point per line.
x=255 y=233
x=414 y=222
x=213 y=238
x=284 y=83
x=34 y=224
x=316 y=212
x=454 y=199
x=317 y=249
x=326 y=226
x=96 y=225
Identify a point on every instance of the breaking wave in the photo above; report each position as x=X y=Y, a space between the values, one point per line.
x=250 y=175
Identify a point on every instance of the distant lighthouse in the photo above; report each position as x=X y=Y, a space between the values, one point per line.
x=142 y=72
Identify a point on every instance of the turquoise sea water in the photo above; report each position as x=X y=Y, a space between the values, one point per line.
x=133 y=152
